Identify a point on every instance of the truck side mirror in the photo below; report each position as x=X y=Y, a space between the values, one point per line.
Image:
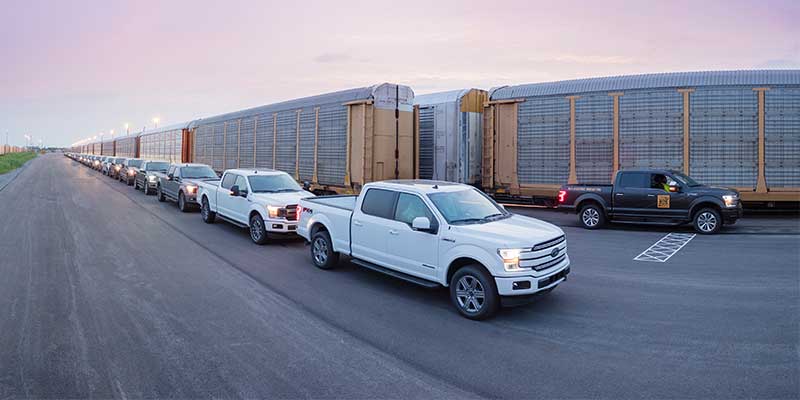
x=674 y=189
x=170 y=176
x=235 y=190
x=306 y=185
x=421 y=224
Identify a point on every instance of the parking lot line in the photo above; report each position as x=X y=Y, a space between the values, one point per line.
x=666 y=247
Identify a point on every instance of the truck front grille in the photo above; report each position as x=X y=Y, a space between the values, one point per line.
x=291 y=212
x=549 y=243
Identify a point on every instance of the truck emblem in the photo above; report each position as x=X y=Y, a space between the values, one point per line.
x=555 y=252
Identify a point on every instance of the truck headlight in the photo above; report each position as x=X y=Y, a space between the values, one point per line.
x=510 y=258
x=273 y=211
x=117 y=167
x=731 y=200
x=191 y=189
x=131 y=172
x=152 y=178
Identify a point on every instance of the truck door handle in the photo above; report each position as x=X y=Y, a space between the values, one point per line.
x=620 y=194
x=651 y=195
x=393 y=232
x=356 y=223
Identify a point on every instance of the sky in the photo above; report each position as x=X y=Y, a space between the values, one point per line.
x=79 y=68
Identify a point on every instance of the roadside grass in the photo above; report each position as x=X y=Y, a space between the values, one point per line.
x=12 y=161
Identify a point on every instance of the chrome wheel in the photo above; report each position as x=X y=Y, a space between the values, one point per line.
x=590 y=217
x=470 y=294
x=707 y=221
x=320 y=251
x=256 y=229
x=203 y=209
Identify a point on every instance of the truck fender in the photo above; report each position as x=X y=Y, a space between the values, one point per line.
x=339 y=245
x=259 y=209
x=466 y=251
x=700 y=201
x=591 y=196
x=203 y=192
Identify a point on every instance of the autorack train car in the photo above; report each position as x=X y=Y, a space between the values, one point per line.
x=449 y=128
x=739 y=129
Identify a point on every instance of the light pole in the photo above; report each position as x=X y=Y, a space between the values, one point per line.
x=127 y=129
x=155 y=122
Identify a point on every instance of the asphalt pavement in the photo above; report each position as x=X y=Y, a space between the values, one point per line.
x=109 y=293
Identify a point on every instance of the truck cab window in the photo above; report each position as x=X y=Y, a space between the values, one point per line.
x=634 y=180
x=241 y=183
x=659 y=181
x=228 y=181
x=379 y=203
x=410 y=207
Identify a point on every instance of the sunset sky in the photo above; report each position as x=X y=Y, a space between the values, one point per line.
x=73 y=69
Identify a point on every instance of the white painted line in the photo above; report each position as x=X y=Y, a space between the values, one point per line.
x=665 y=248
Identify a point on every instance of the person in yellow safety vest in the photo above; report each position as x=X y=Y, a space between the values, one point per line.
x=662 y=180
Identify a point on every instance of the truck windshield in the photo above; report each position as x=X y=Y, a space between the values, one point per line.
x=198 y=172
x=467 y=207
x=135 y=163
x=685 y=180
x=157 y=166
x=273 y=183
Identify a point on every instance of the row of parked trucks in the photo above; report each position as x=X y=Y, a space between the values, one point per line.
x=431 y=233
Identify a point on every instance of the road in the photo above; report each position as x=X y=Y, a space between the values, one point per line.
x=108 y=293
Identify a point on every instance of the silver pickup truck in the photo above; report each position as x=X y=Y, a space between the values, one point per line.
x=180 y=183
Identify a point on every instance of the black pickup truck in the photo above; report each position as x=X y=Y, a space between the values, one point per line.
x=650 y=196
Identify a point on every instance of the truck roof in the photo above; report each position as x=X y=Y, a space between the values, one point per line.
x=249 y=172
x=421 y=185
x=650 y=170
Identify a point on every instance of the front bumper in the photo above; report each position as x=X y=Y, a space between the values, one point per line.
x=280 y=226
x=731 y=215
x=528 y=284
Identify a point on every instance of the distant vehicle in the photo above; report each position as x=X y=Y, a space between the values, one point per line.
x=127 y=172
x=652 y=196
x=265 y=201
x=115 y=166
x=436 y=233
x=146 y=177
x=179 y=183
x=106 y=165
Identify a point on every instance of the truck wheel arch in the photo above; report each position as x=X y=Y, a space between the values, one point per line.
x=459 y=263
x=588 y=198
x=704 y=202
x=317 y=227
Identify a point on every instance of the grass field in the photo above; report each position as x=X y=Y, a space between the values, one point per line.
x=12 y=161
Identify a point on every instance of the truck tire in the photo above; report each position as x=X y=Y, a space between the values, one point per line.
x=160 y=194
x=474 y=293
x=591 y=216
x=205 y=211
x=258 y=232
x=182 y=205
x=322 y=254
x=707 y=221
x=146 y=189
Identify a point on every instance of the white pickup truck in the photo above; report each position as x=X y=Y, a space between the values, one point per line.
x=265 y=201
x=439 y=233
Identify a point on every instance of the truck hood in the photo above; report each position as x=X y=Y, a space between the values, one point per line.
x=281 y=199
x=518 y=231
x=712 y=190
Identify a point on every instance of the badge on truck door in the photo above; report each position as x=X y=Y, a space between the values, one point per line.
x=663 y=201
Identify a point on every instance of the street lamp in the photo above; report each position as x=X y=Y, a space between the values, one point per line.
x=155 y=121
x=127 y=129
